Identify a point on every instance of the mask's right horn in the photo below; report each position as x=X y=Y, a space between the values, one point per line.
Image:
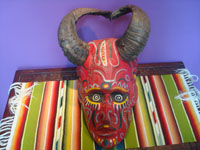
x=136 y=35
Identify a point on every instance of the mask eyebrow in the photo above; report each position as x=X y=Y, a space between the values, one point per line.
x=119 y=88
x=92 y=89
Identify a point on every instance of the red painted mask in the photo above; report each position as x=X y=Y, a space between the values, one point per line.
x=107 y=70
x=107 y=92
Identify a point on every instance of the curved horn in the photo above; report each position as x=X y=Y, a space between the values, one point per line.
x=136 y=35
x=73 y=47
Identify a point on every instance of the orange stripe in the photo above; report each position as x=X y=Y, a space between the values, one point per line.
x=76 y=143
x=140 y=125
x=16 y=144
x=47 y=117
x=188 y=107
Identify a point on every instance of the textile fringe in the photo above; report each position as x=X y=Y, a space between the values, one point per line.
x=5 y=130
x=193 y=93
x=6 y=124
x=20 y=93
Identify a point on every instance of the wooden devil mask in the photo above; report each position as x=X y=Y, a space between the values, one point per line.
x=107 y=70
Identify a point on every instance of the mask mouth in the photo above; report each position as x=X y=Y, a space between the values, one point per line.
x=106 y=130
x=105 y=133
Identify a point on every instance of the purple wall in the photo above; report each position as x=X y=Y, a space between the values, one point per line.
x=28 y=33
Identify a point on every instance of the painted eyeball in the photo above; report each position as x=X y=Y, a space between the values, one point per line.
x=119 y=97
x=96 y=97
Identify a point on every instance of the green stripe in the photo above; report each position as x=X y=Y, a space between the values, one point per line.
x=28 y=139
x=131 y=139
x=87 y=142
x=178 y=109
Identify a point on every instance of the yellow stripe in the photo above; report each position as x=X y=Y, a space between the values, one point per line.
x=147 y=138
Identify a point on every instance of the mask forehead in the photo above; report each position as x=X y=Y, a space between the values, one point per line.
x=103 y=62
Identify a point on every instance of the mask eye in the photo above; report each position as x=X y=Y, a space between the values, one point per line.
x=96 y=97
x=119 y=97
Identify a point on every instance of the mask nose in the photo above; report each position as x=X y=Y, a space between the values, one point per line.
x=107 y=116
x=107 y=102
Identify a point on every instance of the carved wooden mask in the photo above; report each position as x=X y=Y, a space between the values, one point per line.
x=107 y=70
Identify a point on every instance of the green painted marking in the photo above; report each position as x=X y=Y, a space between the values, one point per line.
x=97 y=51
x=93 y=118
x=115 y=108
x=110 y=47
x=120 y=118
x=105 y=142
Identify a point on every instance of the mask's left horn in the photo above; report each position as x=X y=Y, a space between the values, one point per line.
x=73 y=47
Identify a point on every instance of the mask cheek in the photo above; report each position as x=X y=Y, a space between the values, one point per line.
x=81 y=97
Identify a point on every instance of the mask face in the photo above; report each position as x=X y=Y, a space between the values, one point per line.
x=107 y=92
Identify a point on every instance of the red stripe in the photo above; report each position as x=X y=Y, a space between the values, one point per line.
x=154 y=117
x=59 y=122
x=145 y=81
x=51 y=123
x=165 y=113
x=47 y=116
x=62 y=84
x=160 y=111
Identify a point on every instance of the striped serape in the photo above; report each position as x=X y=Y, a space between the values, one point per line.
x=50 y=116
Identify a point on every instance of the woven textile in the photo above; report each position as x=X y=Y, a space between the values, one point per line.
x=50 y=116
